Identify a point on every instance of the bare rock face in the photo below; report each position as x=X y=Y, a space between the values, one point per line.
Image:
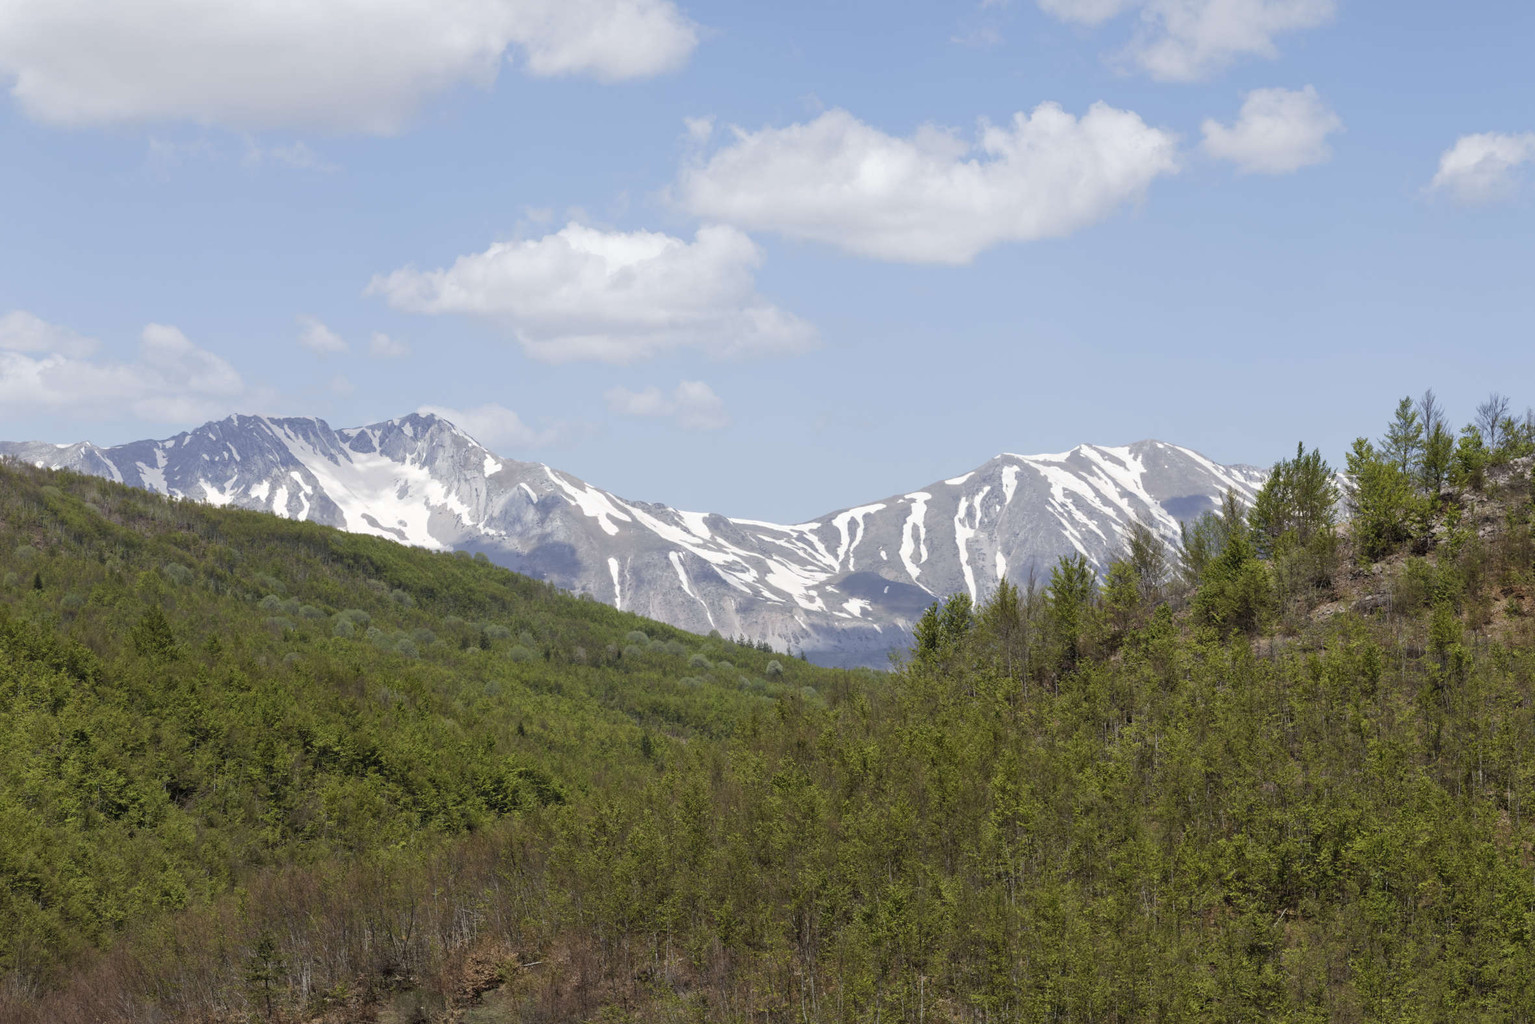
x=845 y=589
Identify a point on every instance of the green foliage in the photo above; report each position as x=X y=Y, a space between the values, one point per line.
x=1073 y=586
x=1205 y=538
x=1403 y=444
x=1298 y=501
x=1171 y=823
x=152 y=637
x=1236 y=593
x=943 y=632
x=1386 y=509
x=1468 y=467
x=176 y=721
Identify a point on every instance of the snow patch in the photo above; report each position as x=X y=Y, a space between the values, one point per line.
x=675 y=557
x=618 y=590
x=914 y=529
x=1009 y=483
x=963 y=532
x=592 y=502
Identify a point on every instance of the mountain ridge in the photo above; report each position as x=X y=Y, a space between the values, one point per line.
x=845 y=587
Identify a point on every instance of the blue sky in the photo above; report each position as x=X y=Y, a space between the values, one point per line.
x=764 y=259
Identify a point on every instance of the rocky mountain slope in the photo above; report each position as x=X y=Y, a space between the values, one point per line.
x=845 y=588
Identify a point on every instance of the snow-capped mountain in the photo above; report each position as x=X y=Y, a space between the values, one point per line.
x=845 y=588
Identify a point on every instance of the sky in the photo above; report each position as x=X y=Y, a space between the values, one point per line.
x=768 y=260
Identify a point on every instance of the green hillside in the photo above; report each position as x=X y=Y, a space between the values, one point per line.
x=254 y=769
x=192 y=697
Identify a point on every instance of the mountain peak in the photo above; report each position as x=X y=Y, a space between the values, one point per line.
x=845 y=587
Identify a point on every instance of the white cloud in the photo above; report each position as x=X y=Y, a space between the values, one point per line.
x=319 y=339
x=1277 y=132
x=693 y=405
x=932 y=197
x=1185 y=40
x=499 y=428
x=382 y=346
x=582 y=293
x=172 y=380
x=21 y=331
x=1484 y=168
x=1085 y=12
x=339 y=65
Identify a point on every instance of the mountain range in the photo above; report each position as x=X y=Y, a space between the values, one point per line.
x=845 y=589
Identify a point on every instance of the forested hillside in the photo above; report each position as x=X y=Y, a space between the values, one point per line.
x=261 y=769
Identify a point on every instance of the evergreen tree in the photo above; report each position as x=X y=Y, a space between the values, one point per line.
x=1236 y=590
x=1296 y=503
x=1385 y=510
x=1403 y=444
x=152 y=636
x=1073 y=586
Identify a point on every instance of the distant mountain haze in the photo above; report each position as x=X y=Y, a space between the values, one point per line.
x=845 y=588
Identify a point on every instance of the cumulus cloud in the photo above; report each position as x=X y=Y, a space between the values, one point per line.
x=586 y=294
x=21 y=331
x=499 y=428
x=319 y=339
x=692 y=405
x=1278 y=131
x=1484 y=168
x=1185 y=40
x=382 y=346
x=338 y=65
x=171 y=380
x=932 y=197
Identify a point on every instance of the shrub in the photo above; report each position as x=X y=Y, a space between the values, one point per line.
x=774 y=670
x=521 y=654
x=407 y=647
x=344 y=628
x=402 y=599
x=699 y=661
x=271 y=603
x=309 y=611
x=177 y=573
x=632 y=651
x=423 y=637
x=636 y=636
